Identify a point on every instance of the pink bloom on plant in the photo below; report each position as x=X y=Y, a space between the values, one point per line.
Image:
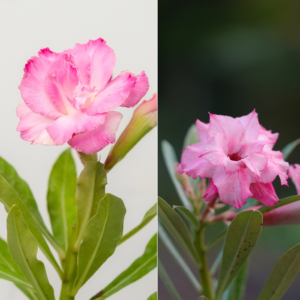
x=294 y=174
x=236 y=154
x=70 y=97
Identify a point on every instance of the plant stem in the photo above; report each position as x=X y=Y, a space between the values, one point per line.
x=64 y=295
x=207 y=288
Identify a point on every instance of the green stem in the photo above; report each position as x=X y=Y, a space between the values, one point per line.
x=64 y=295
x=207 y=287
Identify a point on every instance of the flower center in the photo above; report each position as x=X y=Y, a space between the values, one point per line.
x=234 y=157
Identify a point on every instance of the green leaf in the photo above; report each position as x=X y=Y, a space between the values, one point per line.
x=138 y=269
x=176 y=226
x=216 y=263
x=9 y=197
x=216 y=239
x=103 y=233
x=170 y=246
x=61 y=198
x=187 y=215
x=170 y=161
x=22 y=189
x=90 y=190
x=87 y=157
x=23 y=248
x=167 y=281
x=202 y=298
x=191 y=137
x=241 y=237
x=264 y=209
x=288 y=149
x=153 y=296
x=150 y=214
x=282 y=275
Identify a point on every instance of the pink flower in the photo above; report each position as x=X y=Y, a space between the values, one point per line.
x=237 y=155
x=294 y=174
x=70 y=97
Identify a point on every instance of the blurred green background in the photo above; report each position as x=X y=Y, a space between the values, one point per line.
x=230 y=57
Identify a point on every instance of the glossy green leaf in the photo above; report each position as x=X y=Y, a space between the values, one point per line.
x=103 y=233
x=170 y=161
x=89 y=191
x=153 y=296
x=87 y=157
x=138 y=269
x=202 y=298
x=289 y=148
x=150 y=214
x=215 y=239
x=23 y=248
x=241 y=237
x=29 y=292
x=282 y=275
x=177 y=256
x=176 y=226
x=187 y=215
x=264 y=209
x=22 y=189
x=61 y=198
x=164 y=276
x=9 y=197
x=191 y=137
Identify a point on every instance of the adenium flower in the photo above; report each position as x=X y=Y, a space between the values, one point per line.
x=70 y=97
x=236 y=154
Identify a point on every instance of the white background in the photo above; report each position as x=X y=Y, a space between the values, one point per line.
x=130 y=28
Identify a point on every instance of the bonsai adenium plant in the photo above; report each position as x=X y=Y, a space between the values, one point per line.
x=71 y=97
x=228 y=164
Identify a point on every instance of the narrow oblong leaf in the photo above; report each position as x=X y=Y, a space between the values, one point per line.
x=289 y=148
x=22 y=189
x=282 y=275
x=240 y=239
x=164 y=276
x=153 y=296
x=138 y=269
x=150 y=214
x=190 y=217
x=176 y=226
x=9 y=197
x=103 y=233
x=170 y=161
x=23 y=248
x=90 y=189
x=264 y=209
x=61 y=198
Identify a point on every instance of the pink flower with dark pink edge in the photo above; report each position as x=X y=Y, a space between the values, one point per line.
x=236 y=154
x=70 y=97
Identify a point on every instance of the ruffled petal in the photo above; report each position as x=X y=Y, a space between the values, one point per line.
x=256 y=162
x=264 y=192
x=233 y=187
x=138 y=92
x=33 y=128
x=22 y=110
x=95 y=140
x=251 y=126
x=294 y=174
x=113 y=95
x=211 y=192
x=202 y=131
x=62 y=130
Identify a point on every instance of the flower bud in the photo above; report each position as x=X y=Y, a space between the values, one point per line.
x=143 y=120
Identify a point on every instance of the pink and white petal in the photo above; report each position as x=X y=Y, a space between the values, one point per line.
x=264 y=192
x=256 y=162
x=251 y=126
x=33 y=129
x=101 y=64
x=113 y=95
x=251 y=147
x=22 y=110
x=62 y=130
x=233 y=187
x=211 y=192
x=202 y=131
x=95 y=140
x=193 y=165
x=32 y=88
x=294 y=174
x=47 y=54
x=138 y=92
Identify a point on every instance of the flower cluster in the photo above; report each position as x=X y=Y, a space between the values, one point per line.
x=236 y=154
x=70 y=97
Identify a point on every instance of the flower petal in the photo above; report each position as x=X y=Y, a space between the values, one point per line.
x=138 y=92
x=62 y=130
x=251 y=126
x=202 y=131
x=211 y=193
x=113 y=95
x=264 y=192
x=294 y=174
x=95 y=140
x=255 y=162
